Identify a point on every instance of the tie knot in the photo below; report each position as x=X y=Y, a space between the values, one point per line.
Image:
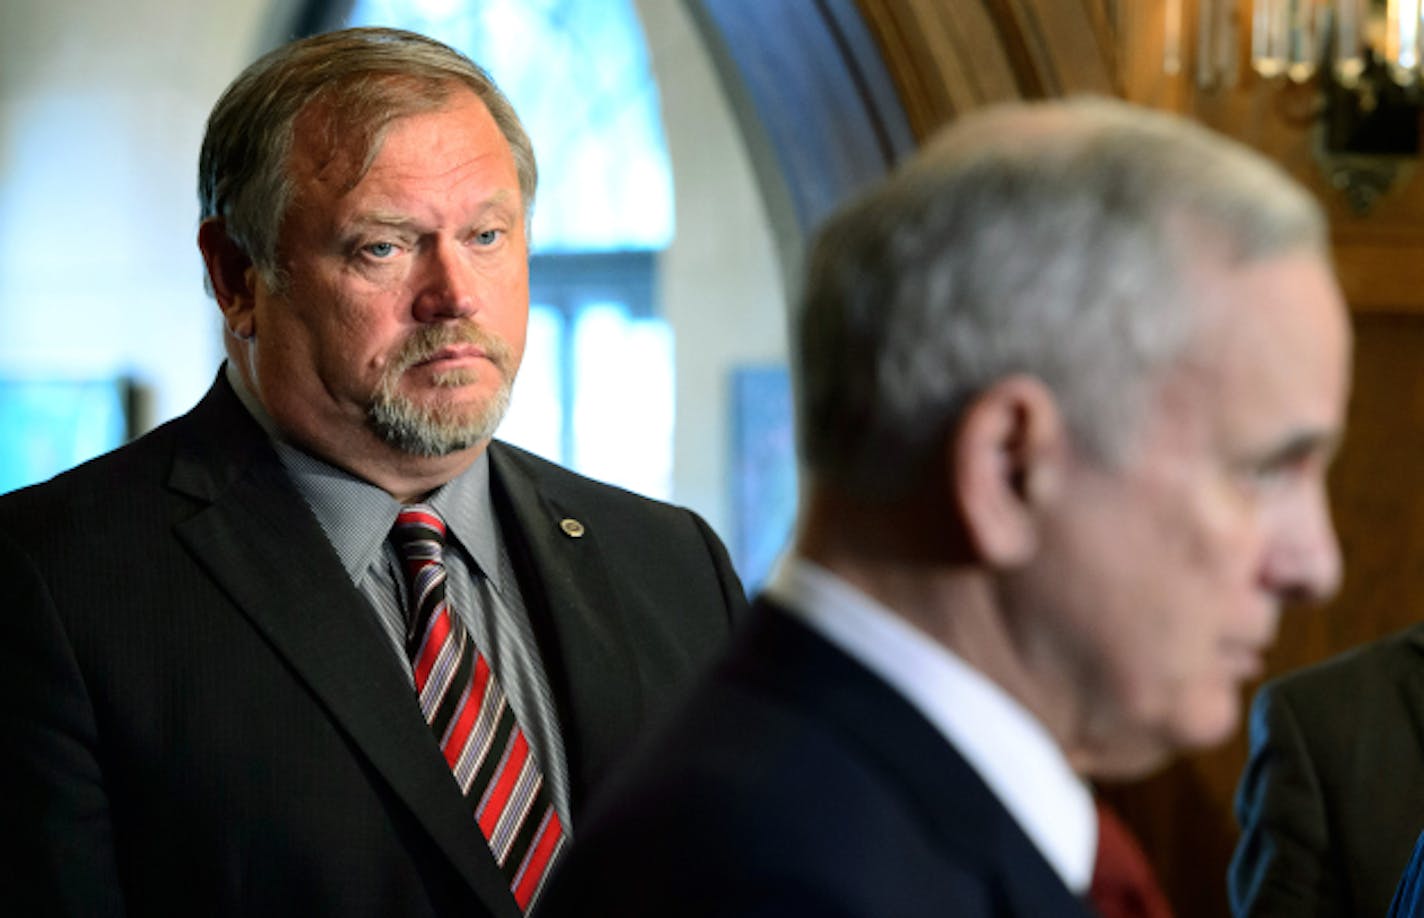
x=419 y=539
x=419 y=536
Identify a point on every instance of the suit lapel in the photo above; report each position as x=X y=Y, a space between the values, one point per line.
x=565 y=585
x=267 y=552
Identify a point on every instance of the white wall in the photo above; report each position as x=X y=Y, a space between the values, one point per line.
x=102 y=106
x=721 y=278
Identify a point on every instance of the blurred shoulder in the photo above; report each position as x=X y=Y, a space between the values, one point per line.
x=1379 y=666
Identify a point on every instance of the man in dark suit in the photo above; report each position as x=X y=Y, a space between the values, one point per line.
x=1068 y=384
x=1332 y=799
x=321 y=647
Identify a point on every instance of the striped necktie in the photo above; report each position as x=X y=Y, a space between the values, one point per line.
x=472 y=720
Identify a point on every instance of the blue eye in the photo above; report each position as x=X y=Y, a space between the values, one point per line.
x=1270 y=476
x=1280 y=471
x=488 y=237
x=380 y=249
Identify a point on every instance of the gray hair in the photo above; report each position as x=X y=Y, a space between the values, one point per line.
x=1049 y=239
x=364 y=79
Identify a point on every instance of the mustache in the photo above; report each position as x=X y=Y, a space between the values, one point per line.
x=428 y=340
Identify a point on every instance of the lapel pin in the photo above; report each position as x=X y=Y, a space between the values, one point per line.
x=571 y=527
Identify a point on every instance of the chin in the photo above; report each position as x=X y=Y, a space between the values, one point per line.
x=1129 y=759
x=1209 y=722
x=433 y=433
x=1152 y=742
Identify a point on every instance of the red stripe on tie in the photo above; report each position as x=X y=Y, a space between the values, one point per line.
x=430 y=649
x=537 y=863
x=459 y=731
x=413 y=515
x=504 y=783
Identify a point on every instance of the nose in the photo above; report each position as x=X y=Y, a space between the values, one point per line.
x=1303 y=563
x=446 y=284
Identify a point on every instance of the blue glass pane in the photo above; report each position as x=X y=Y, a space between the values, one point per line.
x=49 y=426
x=577 y=72
x=535 y=420
x=764 y=473
x=623 y=390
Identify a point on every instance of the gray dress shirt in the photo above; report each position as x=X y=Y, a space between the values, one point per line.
x=357 y=517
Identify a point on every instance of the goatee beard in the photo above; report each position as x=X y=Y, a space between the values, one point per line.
x=440 y=427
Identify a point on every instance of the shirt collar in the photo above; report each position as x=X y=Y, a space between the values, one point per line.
x=1013 y=753
x=357 y=516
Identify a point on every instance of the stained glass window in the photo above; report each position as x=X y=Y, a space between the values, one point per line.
x=577 y=72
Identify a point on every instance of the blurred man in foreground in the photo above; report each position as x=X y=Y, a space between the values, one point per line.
x=1068 y=385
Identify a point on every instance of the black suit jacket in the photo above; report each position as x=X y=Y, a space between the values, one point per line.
x=1332 y=798
x=795 y=783
x=200 y=715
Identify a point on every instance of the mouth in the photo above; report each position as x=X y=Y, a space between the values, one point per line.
x=448 y=355
x=453 y=356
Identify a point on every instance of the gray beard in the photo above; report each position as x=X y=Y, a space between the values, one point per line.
x=439 y=429
x=434 y=430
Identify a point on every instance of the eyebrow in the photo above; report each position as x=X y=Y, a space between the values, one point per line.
x=1301 y=444
x=383 y=218
x=397 y=220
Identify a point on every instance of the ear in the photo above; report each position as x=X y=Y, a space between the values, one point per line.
x=232 y=276
x=1006 y=462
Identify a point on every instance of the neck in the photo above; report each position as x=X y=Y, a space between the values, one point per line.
x=908 y=558
x=404 y=476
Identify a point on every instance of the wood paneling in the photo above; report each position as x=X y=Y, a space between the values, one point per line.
x=1069 y=43
x=948 y=58
x=1377 y=253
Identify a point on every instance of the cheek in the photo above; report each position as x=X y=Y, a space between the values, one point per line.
x=1203 y=586
x=1186 y=581
x=1210 y=538
x=288 y=345
x=1210 y=601
x=349 y=341
x=1150 y=580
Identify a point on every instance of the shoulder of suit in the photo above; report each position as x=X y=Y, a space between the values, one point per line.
x=1378 y=662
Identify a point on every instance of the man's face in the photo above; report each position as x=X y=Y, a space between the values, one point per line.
x=1162 y=578
x=402 y=320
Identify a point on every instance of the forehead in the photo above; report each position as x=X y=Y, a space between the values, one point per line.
x=424 y=132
